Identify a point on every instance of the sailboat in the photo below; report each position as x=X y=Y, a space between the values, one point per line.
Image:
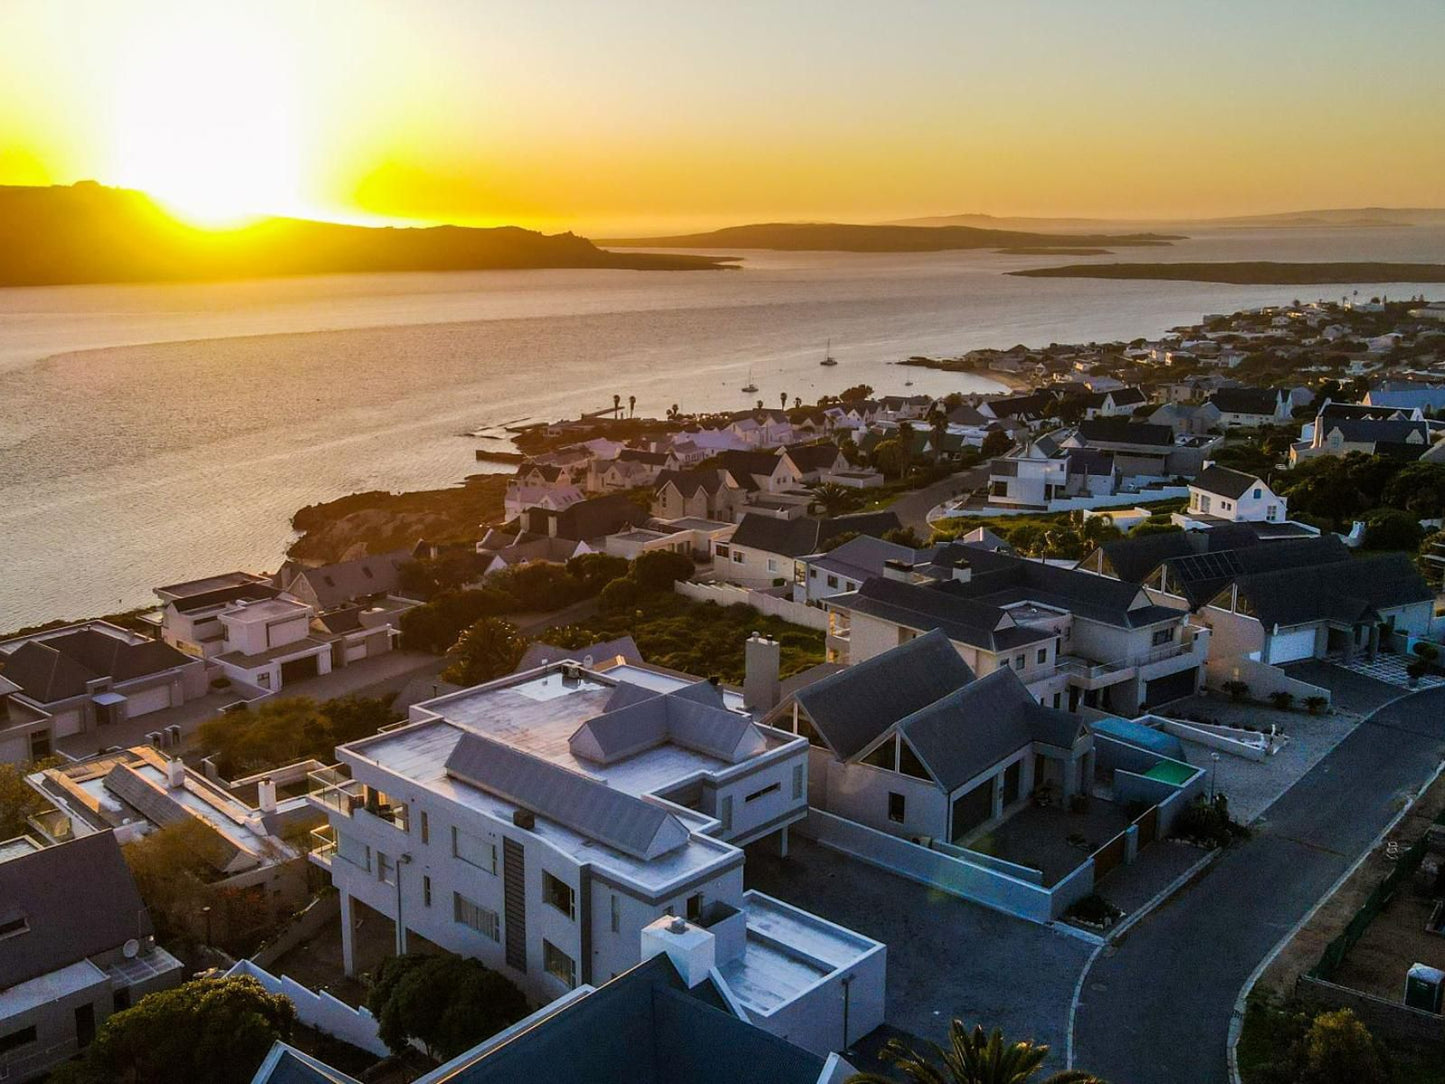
x=828 y=358
x=750 y=387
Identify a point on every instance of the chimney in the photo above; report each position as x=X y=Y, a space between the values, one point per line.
x=897 y=570
x=692 y=950
x=175 y=773
x=763 y=658
x=963 y=572
x=266 y=795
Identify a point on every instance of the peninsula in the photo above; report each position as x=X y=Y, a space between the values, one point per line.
x=844 y=237
x=89 y=233
x=1248 y=273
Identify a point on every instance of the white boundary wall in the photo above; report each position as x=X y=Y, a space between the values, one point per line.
x=726 y=594
x=320 y=1011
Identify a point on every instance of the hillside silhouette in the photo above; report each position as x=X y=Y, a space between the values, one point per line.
x=841 y=237
x=87 y=232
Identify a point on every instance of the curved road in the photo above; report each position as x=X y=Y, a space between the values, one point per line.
x=1156 y=1006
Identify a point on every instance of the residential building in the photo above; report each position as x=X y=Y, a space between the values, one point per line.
x=25 y=730
x=554 y=495
x=1114 y=403
x=1221 y=495
x=76 y=945
x=503 y=549
x=269 y=643
x=330 y=587
x=1186 y=418
x=1073 y=638
x=705 y=493
x=544 y=822
x=846 y=567
x=85 y=678
x=1141 y=450
x=1251 y=407
x=911 y=743
x=764 y=549
x=594 y=518
x=661 y=1021
x=1407 y=394
x=1338 y=436
x=693 y=537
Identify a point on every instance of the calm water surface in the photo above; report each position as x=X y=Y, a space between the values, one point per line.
x=152 y=433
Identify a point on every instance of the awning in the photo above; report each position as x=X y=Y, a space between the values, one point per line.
x=107 y=699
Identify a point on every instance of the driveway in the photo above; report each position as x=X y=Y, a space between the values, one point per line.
x=913 y=507
x=1156 y=1005
x=946 y=956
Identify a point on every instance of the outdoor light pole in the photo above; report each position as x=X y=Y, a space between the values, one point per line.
x=206 y=910
x=1213 y=774
x=401 y=860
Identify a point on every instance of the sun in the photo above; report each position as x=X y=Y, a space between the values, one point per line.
x=205 y=119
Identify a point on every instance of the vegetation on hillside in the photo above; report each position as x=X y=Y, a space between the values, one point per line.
x=288 y=729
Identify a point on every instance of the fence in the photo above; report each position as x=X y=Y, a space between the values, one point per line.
x=319 y=1010
x=726 y=594
x=1392 y=1020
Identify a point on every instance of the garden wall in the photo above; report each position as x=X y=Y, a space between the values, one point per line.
x=1262 y=678
x=320 y=1011
x=724 y=594
x=1392 y=1020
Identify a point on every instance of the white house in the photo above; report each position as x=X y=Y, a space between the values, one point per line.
x=1220 y=495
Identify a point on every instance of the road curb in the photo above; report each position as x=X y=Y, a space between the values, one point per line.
x=1236 y=1019
x=1153 y=902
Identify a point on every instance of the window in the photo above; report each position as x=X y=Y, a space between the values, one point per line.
x=1257 y=494
x=39 y=744
x=897 y=807
x=476 y=916
x=264 y=680
x=737 y=557
x=797 y=781
x=474 y=851
x=426 y=891
x=694 y=907
x=385 y=869
x=616 y=914
x=558 y=964
x=849 y=585
x=425 y=828
x=832 y=581
x=16 y=1039
x=720 y=550
x=1020 y=661
x=1043 y=655
x=769 y=789
x=558 y=894
x=772 y=564
x=14 y=927
x=725 y=812
x=1163 y=636
x=353 y=850
x=812 y=573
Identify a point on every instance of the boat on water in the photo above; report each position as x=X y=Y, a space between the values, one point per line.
x=828 y=358
x=750 y=387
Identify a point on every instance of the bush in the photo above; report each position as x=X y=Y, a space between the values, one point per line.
x=1392 y=529
x=660 y=569
x=1236 y=689
x=538 y=586
x=1281 y=699
x=620 y=594
x=448 y=1003
x=1316 y=704
x=436 y=626
x=288 y=729
x=594 y=571
x=1209 y=823
x=1095 y=910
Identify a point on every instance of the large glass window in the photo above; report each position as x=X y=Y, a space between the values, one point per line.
x=479 y=918
x=558 y=964
x=474 y=850
x=558 y=893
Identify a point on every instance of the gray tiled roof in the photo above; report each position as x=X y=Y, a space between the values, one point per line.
x=604 y=650
x=927 y=607
x=1346 y=591
x=804 y=535
x=853 y=707
x=586 y=806
x=1225 y=482
x=337 y=584
x=79 y=900
x=1124 y=431
x=637 y=719
x=59 y=667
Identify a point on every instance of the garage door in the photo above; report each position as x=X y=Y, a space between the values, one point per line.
x=66 y=724
x=143 y=703
x=1290 y=646
x=1164 y=689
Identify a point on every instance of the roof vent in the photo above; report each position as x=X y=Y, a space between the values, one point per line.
x=677 y=925
x=524 y=818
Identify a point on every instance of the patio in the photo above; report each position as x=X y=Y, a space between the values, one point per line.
x=1053 y=839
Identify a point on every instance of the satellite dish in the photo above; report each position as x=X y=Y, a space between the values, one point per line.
x=131 y=949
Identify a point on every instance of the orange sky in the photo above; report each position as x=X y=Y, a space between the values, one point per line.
x=639 y=115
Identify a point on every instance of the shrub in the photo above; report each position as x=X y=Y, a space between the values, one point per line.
x=1209 y=823
x=1315 y=704
x=620 y=594
x=660 y=569
x=436 y=626
x=1095 y=910
x=1236 y=689
x=538 y=586
x=1416 y=669
x=594 y=571
x=448 y=1003
x=1282 y=699
x=1426 y=652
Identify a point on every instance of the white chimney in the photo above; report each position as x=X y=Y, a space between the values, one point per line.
x=266 y=795
x=691 y=949
x=175 y=773
x=762 y=661
x=963 y=572
x=897 y=570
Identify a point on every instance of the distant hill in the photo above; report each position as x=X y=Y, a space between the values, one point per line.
x=90 y=233
x=1255 y=273
x=1336 y=217
x=841 y=237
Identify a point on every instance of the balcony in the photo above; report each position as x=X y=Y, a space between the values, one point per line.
x=322 y=846
x=333 y=789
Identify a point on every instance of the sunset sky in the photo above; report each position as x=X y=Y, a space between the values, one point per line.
x=629 y=115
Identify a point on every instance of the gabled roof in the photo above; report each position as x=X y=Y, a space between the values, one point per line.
x=853 y=707
x=78 y=900
x=1370 y=431
x=59 y=667
x=865 y=556
x=746 y=467
x=591 y=518
x=1124 y=431
x=929 y=607
x=287 y=1065
x=693 y=717
x=539 y=653
x=806 y=534
x=337 y=584
x=1246 y=400
x=1039 y=404
x=588 y=807
x=689 y=482
x=1224 y=482
x=813 y=457
x=1345 y=591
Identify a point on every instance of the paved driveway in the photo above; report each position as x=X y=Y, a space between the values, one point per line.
x=946 y=957
x=1156 y=1006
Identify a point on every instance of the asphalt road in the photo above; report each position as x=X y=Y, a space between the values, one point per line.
x=913 y=508
x=1156 y=1006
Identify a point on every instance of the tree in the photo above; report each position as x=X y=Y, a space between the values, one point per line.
x=538 y=586
x=904 y=536
x=207 y=1031
x=1339 y=1049
x=486 y=651
x=448 y=1003
x=783 y=400
x=173 y=868
x=616 y=405
x=436 y=626
x=995 y=444
x=18 y=800
x=832 y=499
x=631 y=406
x=1418 y=488
x=890 y=457
x=1392 y=529
x=856 y=394
x=658 y=570
x=594 y=571
x=430 y=576
x=971 y=1058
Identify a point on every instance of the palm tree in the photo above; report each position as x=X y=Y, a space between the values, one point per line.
x=783 y=400
x=972 y=1058
x=831 y=499
x=797 y=402
x=616 y=405
x=631 y=405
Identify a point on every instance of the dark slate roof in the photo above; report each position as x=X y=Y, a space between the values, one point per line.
x=343 y=582
x=1199 y=577
x=971 y=730
x=248 y=591
x=806 y=534
x=1124 y=431
x=585 y=805
x=1039 y=404
x=1133 y=559
x=689 y=482
x=865 y=556
x=79 y=900
x=928 y=607
x=1367 y=431
x=287 y=1065
x=743 y=466
x=645 y=1027
x=591 y=518
x=604 y=650
x=1095 y=598
x=1087 y=461
x=59 y=667
x=638 y=719
x=1346 y=591
x=853 y=707
x=813 y=457
x=1245 y=400
x=638 y=455
x=1332 y=411
x=1225 y=482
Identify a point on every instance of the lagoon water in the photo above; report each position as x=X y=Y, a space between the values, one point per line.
x=151 y=433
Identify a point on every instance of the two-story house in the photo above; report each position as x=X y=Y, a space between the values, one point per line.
x=1250 y=408
x=1221 y=495
x=697 y=494
x=763 y=551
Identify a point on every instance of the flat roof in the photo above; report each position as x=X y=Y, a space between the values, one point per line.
x=15 y=848
x=266 y=609
x=209 y=583
x=52 y=986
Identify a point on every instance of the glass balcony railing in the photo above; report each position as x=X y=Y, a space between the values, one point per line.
x=333 y=788
x=322 y=846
